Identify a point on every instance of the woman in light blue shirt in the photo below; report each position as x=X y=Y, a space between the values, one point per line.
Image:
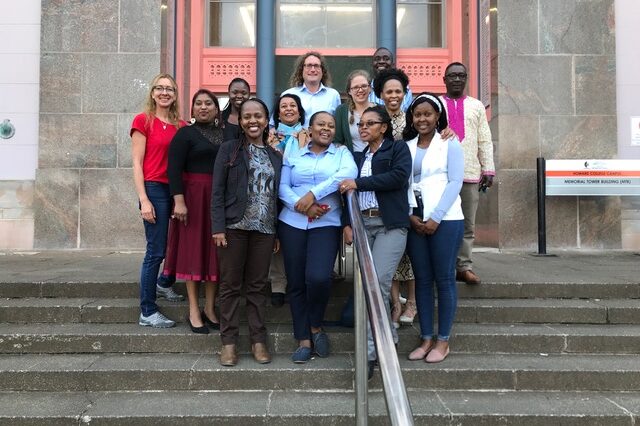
x=310 y=229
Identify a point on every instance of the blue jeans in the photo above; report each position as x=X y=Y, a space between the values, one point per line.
x=309 y=256
x=156 y=235
x=434 y=259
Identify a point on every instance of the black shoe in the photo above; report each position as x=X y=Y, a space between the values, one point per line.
x=371 y=366
x=198 y=330
x=277 y=299
x=212 y=325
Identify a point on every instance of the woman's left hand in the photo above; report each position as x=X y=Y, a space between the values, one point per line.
x=305 y=202
x=346 y=185
x=276 y=246
x=430 y=227
x=447 y=133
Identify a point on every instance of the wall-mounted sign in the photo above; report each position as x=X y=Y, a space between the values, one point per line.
x=592 y=177
x=635 y=131
x=7 y=130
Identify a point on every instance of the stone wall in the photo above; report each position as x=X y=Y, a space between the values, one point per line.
x=555 y=82
x=97 y=58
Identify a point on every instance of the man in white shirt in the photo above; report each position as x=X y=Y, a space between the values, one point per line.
x=310 y=79
x=468 y=119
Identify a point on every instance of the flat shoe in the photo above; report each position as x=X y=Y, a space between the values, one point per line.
x=419 y=353
x=436 y=356
x=261 y=353
x=228 y=356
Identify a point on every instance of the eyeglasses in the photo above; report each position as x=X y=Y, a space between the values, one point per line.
x=456 y=76
x=367 y=124
x=362 y=87
x=313 y=66
x=167 y=89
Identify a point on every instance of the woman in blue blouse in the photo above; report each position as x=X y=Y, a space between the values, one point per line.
x=309 y=230
x=437 y=222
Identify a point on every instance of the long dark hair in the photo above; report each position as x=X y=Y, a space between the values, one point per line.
x=276 y=109
x=385 y=118
x=409 y=131
x=227 y=109
x=213 y=97
x=242 y=140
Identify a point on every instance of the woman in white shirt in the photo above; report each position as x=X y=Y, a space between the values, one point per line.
x=437 y=222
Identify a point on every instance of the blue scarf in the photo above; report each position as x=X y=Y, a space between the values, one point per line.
x=288 y=132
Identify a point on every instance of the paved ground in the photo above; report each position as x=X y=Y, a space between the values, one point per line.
x=492 y=266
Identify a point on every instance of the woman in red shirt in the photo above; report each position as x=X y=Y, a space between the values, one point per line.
x=151 y=132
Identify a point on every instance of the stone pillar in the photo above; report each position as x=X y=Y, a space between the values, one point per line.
x=555 y=79
x=628 y=93
x=266 y=51
x=97 y=59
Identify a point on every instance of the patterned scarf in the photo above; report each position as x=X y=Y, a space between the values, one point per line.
x=455 y=108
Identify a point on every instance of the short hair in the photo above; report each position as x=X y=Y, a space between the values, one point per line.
x=296 y=78
x=276 y=109
x=390 y=74
x=316 y=114
x=384 y=118
x=432 y=99
x=388 y=50
x=454 y=64
x=213 y=97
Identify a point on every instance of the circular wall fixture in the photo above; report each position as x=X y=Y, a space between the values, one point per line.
x=7 y=130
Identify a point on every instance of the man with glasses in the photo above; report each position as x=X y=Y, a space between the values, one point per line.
x=381 y=60
x=310 y=81
x=468 y=119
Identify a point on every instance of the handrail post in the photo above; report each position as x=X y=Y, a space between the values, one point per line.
x=360 y=319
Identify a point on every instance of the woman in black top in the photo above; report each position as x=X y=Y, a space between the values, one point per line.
x=239 y=92
x=191 y=255
x=244 y=209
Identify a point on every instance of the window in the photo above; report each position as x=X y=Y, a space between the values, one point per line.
x=320 y=24
x=420 y=24
x=231 y=23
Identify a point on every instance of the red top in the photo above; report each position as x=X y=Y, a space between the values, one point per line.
x=159 y=135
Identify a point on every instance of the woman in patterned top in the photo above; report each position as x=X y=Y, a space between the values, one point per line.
x=391 y=86
x=246 y=177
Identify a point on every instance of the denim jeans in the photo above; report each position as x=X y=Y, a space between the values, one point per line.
x=387 y=248
x=309 y=257
x=156 y=235
x=434 y=259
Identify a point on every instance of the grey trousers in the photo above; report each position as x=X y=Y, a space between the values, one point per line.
x=469 y=196
x=387 y=247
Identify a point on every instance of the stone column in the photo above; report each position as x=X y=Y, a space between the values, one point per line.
x=555 y=98
x=97 y=59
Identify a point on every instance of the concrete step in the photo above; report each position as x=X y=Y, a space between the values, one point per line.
x=163 y=372
x=509 y=289
x=434 y=408
x=108 y=311
x=471 y=338
x=569 y=311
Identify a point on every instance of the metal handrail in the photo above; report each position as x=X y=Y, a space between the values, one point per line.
x=366 y=284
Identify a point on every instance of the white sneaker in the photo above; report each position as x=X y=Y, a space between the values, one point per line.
x=156 y=320
x=168 y=294
x=403 y=300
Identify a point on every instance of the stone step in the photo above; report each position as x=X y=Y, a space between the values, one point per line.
x=163 y=372
x=497 y=290
x=317 y=408
x=471 y=338
x=568 y=311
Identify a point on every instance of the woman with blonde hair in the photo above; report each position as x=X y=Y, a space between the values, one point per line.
x=348 y=114
x=151 y=132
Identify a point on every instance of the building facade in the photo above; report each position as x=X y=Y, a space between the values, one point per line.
x=560 y=79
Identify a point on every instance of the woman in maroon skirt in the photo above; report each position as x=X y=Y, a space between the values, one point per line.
x=191 y=255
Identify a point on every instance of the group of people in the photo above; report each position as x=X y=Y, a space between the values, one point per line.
x=242 y=191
